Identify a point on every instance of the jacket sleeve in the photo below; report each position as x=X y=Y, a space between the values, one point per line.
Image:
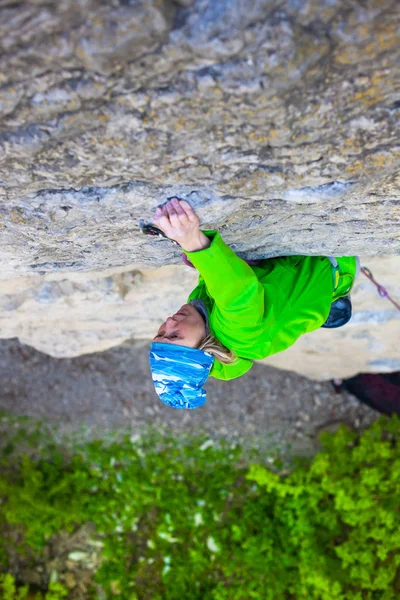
x=233 y=285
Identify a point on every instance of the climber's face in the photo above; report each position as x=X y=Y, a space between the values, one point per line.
x=185 y=328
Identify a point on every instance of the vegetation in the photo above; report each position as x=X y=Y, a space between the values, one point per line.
x=193 y=520
x=9 y=590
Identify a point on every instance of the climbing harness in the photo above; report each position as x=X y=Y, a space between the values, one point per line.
x=335 y=271
x=381 y=290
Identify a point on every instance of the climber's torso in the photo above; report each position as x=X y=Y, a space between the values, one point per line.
x=269 y=306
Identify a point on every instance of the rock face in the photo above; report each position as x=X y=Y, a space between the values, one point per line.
x=88 y=312
x=278 y=121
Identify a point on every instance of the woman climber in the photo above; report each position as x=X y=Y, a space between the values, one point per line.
x=239 y=313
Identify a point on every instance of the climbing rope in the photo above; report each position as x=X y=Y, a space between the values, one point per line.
x=381 y=290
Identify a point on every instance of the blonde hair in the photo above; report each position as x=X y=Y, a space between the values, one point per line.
x=219 y=351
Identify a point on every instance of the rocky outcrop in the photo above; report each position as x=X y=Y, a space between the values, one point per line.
x=278 y=121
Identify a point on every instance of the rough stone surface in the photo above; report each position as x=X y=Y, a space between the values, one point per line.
x=88 y=312
x=279 y=121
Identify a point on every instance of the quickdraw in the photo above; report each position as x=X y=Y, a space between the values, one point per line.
x=381 y=290
x=154 y=231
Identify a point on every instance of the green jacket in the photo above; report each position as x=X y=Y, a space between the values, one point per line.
x=257 y=311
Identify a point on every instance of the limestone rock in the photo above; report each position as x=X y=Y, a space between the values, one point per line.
x=88 y=312
x=278 y=121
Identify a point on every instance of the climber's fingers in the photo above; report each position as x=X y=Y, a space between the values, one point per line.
x=160 y=212
x=174 y=217
x=191 y=215
x=164 y=224
x=161 y=219
x=175 y=203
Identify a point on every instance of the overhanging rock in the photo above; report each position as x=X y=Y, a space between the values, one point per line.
x=278 y=121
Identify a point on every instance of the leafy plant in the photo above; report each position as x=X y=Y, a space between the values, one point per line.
x=188 y=519
x=341 y=515
x=9 y=590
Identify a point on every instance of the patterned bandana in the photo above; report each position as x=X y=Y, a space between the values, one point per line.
x=179 y=374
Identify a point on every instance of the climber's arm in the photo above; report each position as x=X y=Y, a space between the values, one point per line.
x=233 y=285
x=237 y=293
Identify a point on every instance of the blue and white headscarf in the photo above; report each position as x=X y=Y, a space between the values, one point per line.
x=179 y=374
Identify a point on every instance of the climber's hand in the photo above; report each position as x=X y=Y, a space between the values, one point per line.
x=179 y=222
